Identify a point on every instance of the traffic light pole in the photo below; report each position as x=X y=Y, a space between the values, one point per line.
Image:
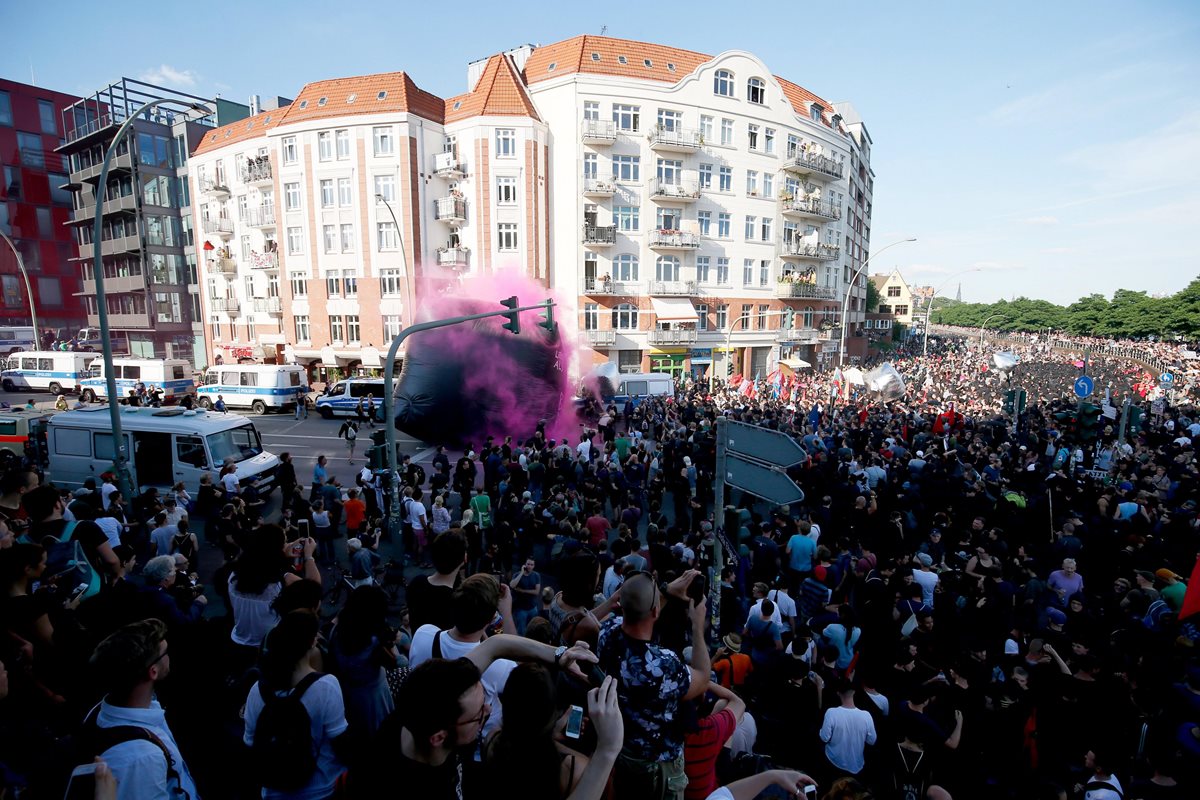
x=389 y=399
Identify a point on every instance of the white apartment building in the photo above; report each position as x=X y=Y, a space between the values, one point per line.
x=686 y=200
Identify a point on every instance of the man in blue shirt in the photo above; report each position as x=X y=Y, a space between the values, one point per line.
x=801 y=551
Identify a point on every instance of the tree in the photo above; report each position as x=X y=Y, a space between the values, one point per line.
x=873 y=297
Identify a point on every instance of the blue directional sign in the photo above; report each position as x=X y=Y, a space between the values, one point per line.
x=1166 y=377
x=1084 y=386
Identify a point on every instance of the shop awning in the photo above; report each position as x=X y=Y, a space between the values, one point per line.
x=674 y=309
x=794 y=364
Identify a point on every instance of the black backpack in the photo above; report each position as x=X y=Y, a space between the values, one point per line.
x=93 y=740
x=283 y=747
x=418 y=474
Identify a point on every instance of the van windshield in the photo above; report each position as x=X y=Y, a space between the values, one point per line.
x=237 y=444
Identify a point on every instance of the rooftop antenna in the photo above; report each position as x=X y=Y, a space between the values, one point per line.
x=603 y=29
x=32 y=77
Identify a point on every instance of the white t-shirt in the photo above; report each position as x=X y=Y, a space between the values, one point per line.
x=231 y=483
x=253 y=616
x=927 y=580
x=107 y=490
x=139 y=766
x=112 y=528
x=814 y=533
x=783 y=602
x=494 y=677
x=755 y=611
x=416 y=513
x=846 y=732
x=744 y=736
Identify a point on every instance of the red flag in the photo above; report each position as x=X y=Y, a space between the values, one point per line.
x=1191 y=600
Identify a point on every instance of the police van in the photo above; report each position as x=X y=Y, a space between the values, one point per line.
x=22 y=433
x=642 y=385
x=18 y=338
x=173 y=376
x=342 y=399
x=258 y=387
x=47 y=370
x=165 y=446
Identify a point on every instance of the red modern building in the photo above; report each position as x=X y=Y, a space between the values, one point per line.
x=34 y=207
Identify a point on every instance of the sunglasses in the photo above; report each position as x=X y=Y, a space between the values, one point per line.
x=479 y=718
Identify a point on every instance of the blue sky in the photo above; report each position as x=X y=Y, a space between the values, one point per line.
x=1052 y=147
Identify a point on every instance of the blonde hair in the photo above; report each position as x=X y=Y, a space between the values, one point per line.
x=438 y=502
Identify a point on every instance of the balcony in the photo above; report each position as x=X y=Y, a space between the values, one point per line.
x=266 y=261
x=268 y=305
x=675 y=288
x=674 y=240
x=122 y=321
x=117 y=284
x=594 y=286
x=447 y=165
x=454 y=257
x=120 y=244
x=789 y=290
x=257 y=171
x=798 y=335
x=221 y=226
x=229 y=305
x=222 y=265
x=676 y=140
x=809 y=252
x=598 y=338
x=119 y=164
x=673 y=336
x=599 y=131
x=87 y=214
x=809 y=208
x=815 y=166
x=598 y=187
x=214 y=187
x=263 y=217
x=675 y=191
x=450 y=209
x=600 y=235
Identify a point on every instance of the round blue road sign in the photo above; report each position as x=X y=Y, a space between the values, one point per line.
x=1084 y=386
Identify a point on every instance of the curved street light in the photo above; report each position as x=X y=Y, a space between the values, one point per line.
x=850 y=287
x=983 y=327
x=929 y=304
x=28 y=290
x=410 y=310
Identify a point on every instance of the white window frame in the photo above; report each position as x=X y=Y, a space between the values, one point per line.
x=342 y=137
x=303 y=327
x=329 y=238
x=724 y=225
x=385 y=186
x=506 y=237
x=506 y=142
x=506 y=190
x=723 y=83
x=384 y=142
x=627 y=118
x=346 y=237
x=391 y=283
x=290 y=152
x=726 y=132
x=295 y=240
x=325 y=146
x=756 y=91
x=345 y=191
x=725 y=179
x=627 y=169
x=292 y=198
x=328 y=198
x=386 y=237
x=702 y=317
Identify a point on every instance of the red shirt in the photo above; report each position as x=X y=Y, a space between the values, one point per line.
x=355 y=511
x=598 y=528
x=701 y=749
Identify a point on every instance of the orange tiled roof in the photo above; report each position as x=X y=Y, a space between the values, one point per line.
x=240 y=131
x=499 y=92
x=365 y=94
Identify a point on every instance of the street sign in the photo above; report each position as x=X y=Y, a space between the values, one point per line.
x=764 y=444
x=761 y=480
x=1084 y=386
x=1158 y=407
x=1166 y=378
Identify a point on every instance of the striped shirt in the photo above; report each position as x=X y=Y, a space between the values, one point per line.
x=701 y=749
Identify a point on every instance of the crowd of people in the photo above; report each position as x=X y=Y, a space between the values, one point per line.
x=961 y=607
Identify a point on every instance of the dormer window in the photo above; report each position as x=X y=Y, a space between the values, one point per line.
x=622 y=60
x=723 y=83
x=816 y=111
x=322 y=101
x=670 y=67
x=550 y=68
x=756 y=91
x=595 y=56
x=381 y=95
x=353 y=96
x=648 y=63
x=303 y=104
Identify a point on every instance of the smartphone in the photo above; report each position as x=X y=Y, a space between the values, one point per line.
x=80 y=589
x=698 y=589
x=575 y=722
x=302 y=526
x=82 y=785
x=595 y=675
x=810 y=791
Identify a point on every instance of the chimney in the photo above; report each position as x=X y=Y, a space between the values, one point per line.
x=255 y=105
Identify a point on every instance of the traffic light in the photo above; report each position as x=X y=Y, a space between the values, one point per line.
x=514 y=319
x=1010 y=402
x=548 y=320
x=1088 y=422
x=1021 y=398
x=1066 y=422
x=377 y=455
x=1136 y=418
x=789 y=318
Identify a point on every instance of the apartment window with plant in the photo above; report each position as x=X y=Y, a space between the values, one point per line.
x=706 y=128
x=291 y=196
x=347 y=232
x=290 y=154
x=724 y=225
x=626 y=218
x=506 y=234
x=591 y=316
x=337 y=330
x=764 y=272
x=391 y=326
x=625 y=317
x=329 y=236
x=303 y=332
x=506 y=191
x=702 y=317
x=626 y=169
x=626 y=117
x=705 y=176
x=385 y=236
x=723 y=83
x=727 y=132
x=385 y=187
x=345 y=193
x=353 y=331
x=385 y=144
x=722 y=317
x=669 y=120
x=299 y=284
x=756 y=91
x=295 y=241
x=325 y=146
x=752 y=182
x=725 y=179
x=704 y=219
x=702 y=268
x=506 y=143
x=343 y=144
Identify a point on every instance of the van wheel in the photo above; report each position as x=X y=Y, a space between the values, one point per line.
x=258 y=407
x=326 y=412
x=56 y=388
x=87 y=396
x=205 y=403
x=8 y=386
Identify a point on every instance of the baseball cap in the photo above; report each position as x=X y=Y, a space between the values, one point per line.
x=1056 y=615
x=819 y=572
x=1165 y=574
x=925 y=559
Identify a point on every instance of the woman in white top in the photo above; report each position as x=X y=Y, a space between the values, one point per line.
x=324 y=533
x=440 y=522
x=257 y=578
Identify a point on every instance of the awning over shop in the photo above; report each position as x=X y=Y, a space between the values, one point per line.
x=794 y=364
x=674 y=309
x=371 y=358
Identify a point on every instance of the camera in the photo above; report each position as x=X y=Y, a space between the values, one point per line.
x=698 y=589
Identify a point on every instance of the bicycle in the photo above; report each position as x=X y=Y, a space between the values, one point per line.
x=388 y=576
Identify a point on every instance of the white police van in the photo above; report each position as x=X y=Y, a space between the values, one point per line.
x=18 y=338
x=164 y=445
x=342 y=399
x=642 y=385
x=258 y=387
x=48 y=370
x=172 y=375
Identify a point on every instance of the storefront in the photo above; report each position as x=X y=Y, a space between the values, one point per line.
x=701 y=362
x=673 y=364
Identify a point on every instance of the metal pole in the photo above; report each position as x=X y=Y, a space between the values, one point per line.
x=120 y=455
x=389 y=401
x=929 y=305
x=846 y=297
x=718 y=522
x=729 y=340
x=410 y=285
x=37 y=332
x=983 y=327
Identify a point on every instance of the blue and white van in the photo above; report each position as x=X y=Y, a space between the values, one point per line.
x=13 y=339
x=342 y=399
x=45 y=370
x=172 y=375
x=258 y=387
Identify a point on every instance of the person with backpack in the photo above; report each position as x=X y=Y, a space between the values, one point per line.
x=349 y=432
x=295 y=716
x=68 y=541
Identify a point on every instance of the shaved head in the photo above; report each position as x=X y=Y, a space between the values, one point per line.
x=639 y=598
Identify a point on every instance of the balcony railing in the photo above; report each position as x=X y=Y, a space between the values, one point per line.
x=214 y=187
x=813 y=164
x=447 y=165
x=674 y=240
x=674 y=288
x=809 y=207
x=674 y=336
x=117 y=284
x=229 y=305
x=599 y=186
x=602 y=286
x=257 y=171
x=118 y=244
x=599 y=131
x=599 y=338
x=815 y=252
x=264 y=260
x=600 y=234
x=268 y=305
x=263 y=217
x=683 y=140
x=450 y=209
x=223 y=265
x=121 y=321
x=218 y=225
x=678 y=191
x=806 y=291
x=457 y=257
x=798 y=335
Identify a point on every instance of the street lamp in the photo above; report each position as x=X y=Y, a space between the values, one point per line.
x=120 y=455
x=729 y=341
x=409 y=278
x=37 y=332
x=983 y=327
x=850 y=286
x=929 y=304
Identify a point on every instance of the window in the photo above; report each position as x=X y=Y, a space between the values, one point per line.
x=752 y=182
x=48 y=117
x=345 y=198
x=727 y=132
x=893 y=291
x=706 y=128
x=353 y=332
x=625 y=268
x=32 y=153
x=385 y=237
x=6 y=115
x=327 y=193
x=725 y=180
x=702 y=268
x=704 y=218
x=748 y=272
x=666 y=268
x=762 y=317
x=722 y=316
x=815 y=111
x=591 y=166
x=290 y=155
x=506 y=237
x=506 y=143
x=391 y=282
x=337 y=329
x=343 y=144
x=751 y=227
x=591 y=110
x=768 y=184
x=299 y=284
x=723 y=83
x=769 y=140
x=793 y=145
x=625 y=317
x=291 y=196
x=391 y=326
x=626 y=169
x=752 y=137
x=506 y=191
x=764 y=272
x=385 y=187
x=591 y=316
x=295 y=241
x=626 y=117
x=333 y=284
x=901 y=311
x=765 y=229
x=668 y=219
x=669 y=120
x=626 y=218
x=302 y=329
x=724 y=223
x=325 y=146
x=756 y=91
x=706 y=176
x=347 y=232
x=385 y=144
x=702 y=317
x=329 y=236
